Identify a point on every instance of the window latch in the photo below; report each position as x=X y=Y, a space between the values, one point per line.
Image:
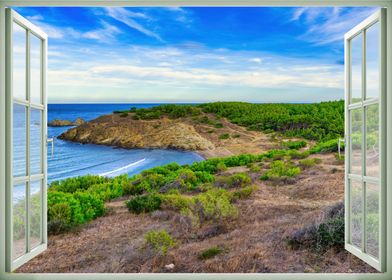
x=51 y=140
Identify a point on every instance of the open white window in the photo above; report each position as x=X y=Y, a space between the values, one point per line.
x=26 y=140
x=365 y=140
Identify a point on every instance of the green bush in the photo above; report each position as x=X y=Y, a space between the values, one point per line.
x=210 y=253
x=91 y=206
x=245 y=192
x=218 y=125
x=329 y=233
x=224 y=136
x=280 y=169
x=71 y=185
x=124 y=115
x=176 y=202
x=214 y=204
x=325 y=147
x=254 y=167
x=309 y=162
x=236 y=136
x=144 y=203
x=294 y=154
x=237 y=180
x=76 y=216
x=294 y=145
x=159 y=240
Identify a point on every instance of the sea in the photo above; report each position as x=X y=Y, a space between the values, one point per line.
x=71 y=159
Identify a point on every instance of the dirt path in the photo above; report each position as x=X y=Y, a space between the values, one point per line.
x=255 y=242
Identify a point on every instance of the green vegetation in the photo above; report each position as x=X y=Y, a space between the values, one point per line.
x=159 y=240
x=245 y=192
x=318 y=121
x=124 y=114
x=75 y=201
x=224 y=136
x=280 y=170
x=144 y=203
x=210 y=253
x=237 y=180
x=294 y=145
x=309 y=162
x=322 y=235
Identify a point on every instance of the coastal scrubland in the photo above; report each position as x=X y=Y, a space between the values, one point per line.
x=267 y=198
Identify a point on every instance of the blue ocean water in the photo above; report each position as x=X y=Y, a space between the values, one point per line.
x=74 y=159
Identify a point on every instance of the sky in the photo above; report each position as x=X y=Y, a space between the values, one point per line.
x=198 y=54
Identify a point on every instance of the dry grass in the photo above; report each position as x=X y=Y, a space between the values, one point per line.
x=254 y=242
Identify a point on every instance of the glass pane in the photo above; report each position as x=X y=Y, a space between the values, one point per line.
x=372 y=218
x=373 y=61
x=356 y=69
x=356 y=213
x=35 y=214
x=19 y=220
x=19 y=140
x=35 y=68
x=35 y=141
x=19 y=61
x=356 y=141
x=372 y=141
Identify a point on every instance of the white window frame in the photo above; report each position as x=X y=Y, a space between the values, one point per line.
x=253 y=3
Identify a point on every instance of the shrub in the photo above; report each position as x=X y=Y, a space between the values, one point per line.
x=59 y=218
x=237 y=180
x=218 y=125
x=214 y=204
x=221 y=166
x=224 y=136
x=309 y=162
x=254 y=168
x=325 y=147
x=236 y=136
x=71 y=185
x=280 y=169
x=144 y=203
x=210 y=253
x=91 y=206
x=323 y=235
x=245 y=192
x=159 y=240
x=176 y=201
x=74 y=213
x=294 y=145
x=294 y=154
x=124 y=114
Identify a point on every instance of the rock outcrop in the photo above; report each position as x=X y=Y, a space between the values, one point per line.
x=124 y=132
x=58 y=122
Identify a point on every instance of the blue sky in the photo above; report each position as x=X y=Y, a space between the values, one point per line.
x=195 y=54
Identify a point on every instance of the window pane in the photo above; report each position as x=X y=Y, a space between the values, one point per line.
x=19 y=61
x=356 y=213
x=356 y=141
x=372 y=218
x=35 y=214
x=372 y=141
x=19 y=220
x=356 y=69
x=35 y=68
x=373 y=61
x=19 y=140
x=35 y=141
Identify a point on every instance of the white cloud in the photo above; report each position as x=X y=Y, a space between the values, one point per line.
x=257 y=60
x=328 y=25
x=158 y=66
x=125 y=16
